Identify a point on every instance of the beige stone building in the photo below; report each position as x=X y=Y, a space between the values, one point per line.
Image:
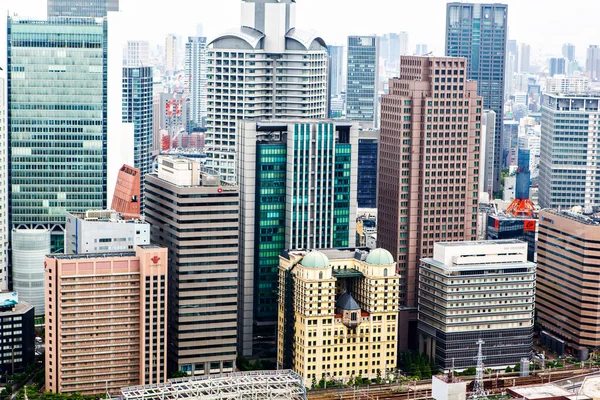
x=338 y=313
x=106 y=320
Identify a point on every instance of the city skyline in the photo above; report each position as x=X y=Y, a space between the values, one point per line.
x=315 y=15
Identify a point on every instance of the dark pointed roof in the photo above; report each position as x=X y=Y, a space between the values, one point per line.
x=347 y=302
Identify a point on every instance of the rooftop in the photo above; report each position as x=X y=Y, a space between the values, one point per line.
x=91 y=255
x=479 y=243
x=540 y=391
x=590 y=219
x=20 y=308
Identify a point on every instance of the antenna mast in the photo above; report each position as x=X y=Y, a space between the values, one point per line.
x=478 y=389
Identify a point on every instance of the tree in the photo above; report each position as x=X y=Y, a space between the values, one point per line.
x=378 y=379
x=427 y=372
x=508 y=369
x=313 y=384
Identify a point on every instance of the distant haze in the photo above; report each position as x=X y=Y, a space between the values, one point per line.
x=543 y=24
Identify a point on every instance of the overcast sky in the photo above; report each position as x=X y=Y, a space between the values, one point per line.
x=545 y=24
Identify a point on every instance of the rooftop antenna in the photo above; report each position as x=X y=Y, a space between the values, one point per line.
x=478 y=389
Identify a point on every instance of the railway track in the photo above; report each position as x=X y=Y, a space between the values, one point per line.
x=423 y=388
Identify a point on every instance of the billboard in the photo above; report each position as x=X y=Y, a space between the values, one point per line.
x=9 y=299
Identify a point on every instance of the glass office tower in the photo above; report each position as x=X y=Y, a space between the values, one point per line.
x=57 y=91
x=137 y=108
x=478 y=32
x=362 y=80
x=298 y=185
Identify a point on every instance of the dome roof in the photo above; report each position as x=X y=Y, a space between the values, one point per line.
x=347 y=302
x=380 y=257
x=315 y=259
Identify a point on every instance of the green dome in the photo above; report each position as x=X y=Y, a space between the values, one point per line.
x=315 y=259
x=380 y=257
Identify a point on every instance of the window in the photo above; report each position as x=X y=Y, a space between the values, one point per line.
x=385 y=273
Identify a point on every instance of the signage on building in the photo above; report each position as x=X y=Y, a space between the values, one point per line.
x=529 y=225
x=9 y=299
x=550 y=220
x=497 y=224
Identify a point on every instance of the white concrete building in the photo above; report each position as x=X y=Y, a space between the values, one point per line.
x=195 y=79
x=265 y=69
x=488 y=133
x=138 y=53
x=103 y=231
x=29 y=249
x=567 y=84
x=476 y=290
x=171 y=53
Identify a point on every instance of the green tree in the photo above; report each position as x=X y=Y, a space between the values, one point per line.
x=427 y=372
x=378 y=379
x=313 y=384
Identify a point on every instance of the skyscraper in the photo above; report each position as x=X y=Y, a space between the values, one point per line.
x=195 y=78
x=171 y=53
x=362 y=80
x=196 y=215
x=568 y=51
x=556 y=66
x=368 y=146
x=568 y=171
x=421 y=50
x=488 y=134
x=478 y=32
x=525 y=58
x=137 y=109
x=138 y=53
x=592 y=63
x=298 y=189
x=513 y=48
x=4 y=231
x=253 y=73
x=58 y=132
x=337 y=69
x=81 y=8
x=429 y=168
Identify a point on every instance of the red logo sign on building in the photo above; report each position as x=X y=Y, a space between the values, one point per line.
x=155 y=259
x=219 y=190
x=529 y=225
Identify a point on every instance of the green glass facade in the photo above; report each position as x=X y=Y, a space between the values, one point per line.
x=270 y=225
x=57 y=93
x=315 y=215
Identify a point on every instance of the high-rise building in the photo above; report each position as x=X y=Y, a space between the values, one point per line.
x=254 y=73
x=58 y=143
x=568 y=170
x=4 y=231
x=488 y=136
x=171 y=53
x=568 y=52
x=195 y=78
x=16 y=317
x=556 y=66
x=362 y=80
x=478 y=32
x=137 y=109
x=421 y=50
x=103 y=231
x=79 y=8
x=368 y=146
x=525 y=58
x=357 y=296
x=567 y=256
x=496 y=302
x=567 y=84
x=28 y=248
x=392 y=46
x=138 y=53
x=592 y=63
x=126 y=200
x=195 y=215
x=513 y=48
x=106 y=320
x=298 y=184
x=429 y=160
x=336 y=53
